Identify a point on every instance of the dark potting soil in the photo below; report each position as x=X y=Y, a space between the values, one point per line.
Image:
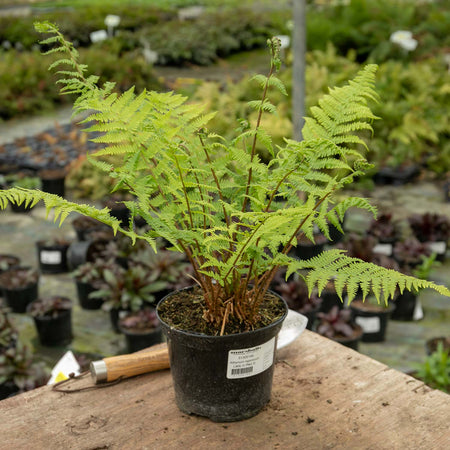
x=185 y=311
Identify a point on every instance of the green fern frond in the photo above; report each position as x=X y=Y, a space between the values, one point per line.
x=61 y=207
x=352 y=273
x=213 y=197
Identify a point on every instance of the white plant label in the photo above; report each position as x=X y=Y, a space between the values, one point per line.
x=438 y=247
x=248 y=362
x=383 y=249
x=368 y=324
x=418 y=311
x=51 y=257
x=66 y=365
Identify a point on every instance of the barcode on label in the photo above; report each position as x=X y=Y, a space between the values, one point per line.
x=248 y=362
x=241 y=371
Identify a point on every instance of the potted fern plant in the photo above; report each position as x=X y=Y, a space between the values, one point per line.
x=213 y=199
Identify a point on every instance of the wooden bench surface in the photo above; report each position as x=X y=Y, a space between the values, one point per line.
x=324 y=396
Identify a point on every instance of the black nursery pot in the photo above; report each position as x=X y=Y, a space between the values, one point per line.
x=115 y=314
x=307 y=251
x=53 y=181
x=139 y=340
x=373 y=323
x=83 y=291
x=330 y=299
x=19 y=299
x=225 y=378
x=21 y=209
x=52 y=258
x=8 y=389
x=81 y=252
x=352 y=341
x=54 y=331
x=404 y=306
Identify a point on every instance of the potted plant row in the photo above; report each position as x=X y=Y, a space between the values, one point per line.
x=90 y=277
x=213 y=199
x=433 y=230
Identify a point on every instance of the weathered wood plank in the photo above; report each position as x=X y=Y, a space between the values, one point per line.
x=324 y=396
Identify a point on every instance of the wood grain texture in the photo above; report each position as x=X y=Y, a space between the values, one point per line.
x=324 y=396
x=149 y=360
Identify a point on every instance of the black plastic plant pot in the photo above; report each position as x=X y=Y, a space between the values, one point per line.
x=55 y=331
x=373 y=322
x=52 y=258
x=404 y=306
x=307 y=251
x=53 y=185
x=352 y=341
x=21 y=209
x=335 y=235
x=19 y=299
x=138 y=340
x=115 y=314
x=396 y=175
x=8 y=389
x=225 y=378
x=81 y=252
x=83 y=291
x=330 y=299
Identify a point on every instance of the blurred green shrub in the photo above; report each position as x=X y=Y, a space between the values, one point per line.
x=26 y=87
x=366 y=25
x=414 y=126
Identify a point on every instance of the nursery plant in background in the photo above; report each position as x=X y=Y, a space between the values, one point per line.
x=337 y=324
x=435 y=371
x=18 y=371
x=20 y=286
x=90 y=277
x=373 y=318
x=23 y=180
x=128 y=290
x=410 y=253
x=432 y=229
x=214 y=200
x=53 y=319
x=141 y=329
x=52 y=255
x=8 y=261
x=407 y=304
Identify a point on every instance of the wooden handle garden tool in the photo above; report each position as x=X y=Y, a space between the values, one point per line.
x=156 y=358
x=125 y=366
